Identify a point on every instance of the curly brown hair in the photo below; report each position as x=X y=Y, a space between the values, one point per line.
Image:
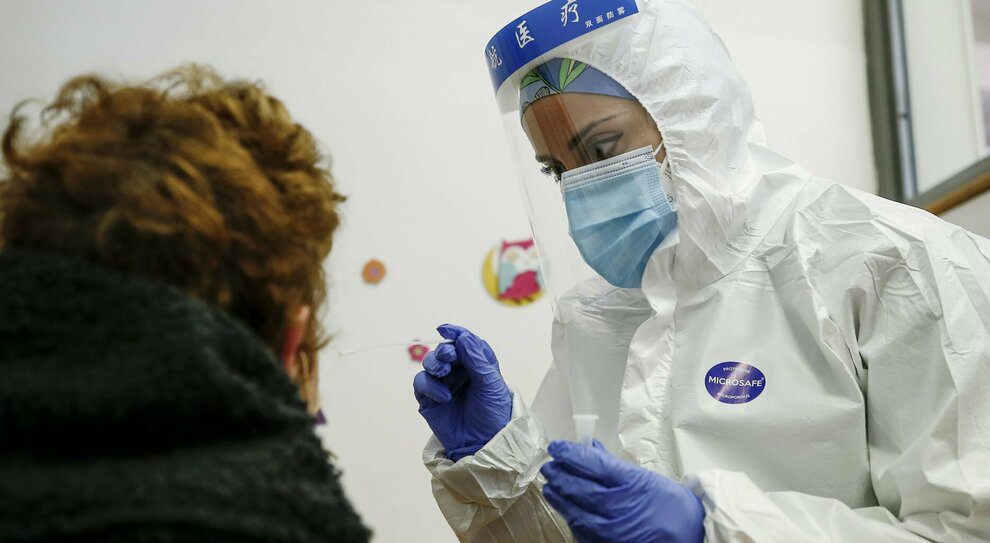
x=206 y=184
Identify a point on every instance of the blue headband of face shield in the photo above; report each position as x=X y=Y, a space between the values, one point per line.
x=619 y=213
x=562 y=75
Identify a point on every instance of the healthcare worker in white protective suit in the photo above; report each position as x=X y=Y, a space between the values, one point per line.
x=773 y=356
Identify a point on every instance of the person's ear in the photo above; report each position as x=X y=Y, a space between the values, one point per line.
x=295 y=331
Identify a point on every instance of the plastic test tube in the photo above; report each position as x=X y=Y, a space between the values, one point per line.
x=584 y=428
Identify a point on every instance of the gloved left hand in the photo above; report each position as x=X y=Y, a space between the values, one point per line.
x=604 y=499
x=461 y=393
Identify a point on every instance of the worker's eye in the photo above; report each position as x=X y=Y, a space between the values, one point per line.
x=604 y=147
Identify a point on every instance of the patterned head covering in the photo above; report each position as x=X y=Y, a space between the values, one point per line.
x=562 y=75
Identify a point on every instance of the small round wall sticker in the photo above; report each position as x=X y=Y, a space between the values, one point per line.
x=418 y=352
x=373 y=272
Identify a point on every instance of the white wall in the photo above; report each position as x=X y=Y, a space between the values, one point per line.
x=399 y=93
x=974 y=215
x=981 y=35
x=946 y=111
x=949 y=62
x=805 y=64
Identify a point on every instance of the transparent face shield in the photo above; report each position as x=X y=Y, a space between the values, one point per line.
x=587 y=155
x=563 y=119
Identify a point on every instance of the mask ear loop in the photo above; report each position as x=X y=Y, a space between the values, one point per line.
x=668 y=187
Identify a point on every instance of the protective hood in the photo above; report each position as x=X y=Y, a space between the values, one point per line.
x=681 y=72
x=671 y=61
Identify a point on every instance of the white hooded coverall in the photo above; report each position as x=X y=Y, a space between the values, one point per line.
x=870 y=320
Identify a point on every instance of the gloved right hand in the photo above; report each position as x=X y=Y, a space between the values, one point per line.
x=461 y=393
x=603 y=498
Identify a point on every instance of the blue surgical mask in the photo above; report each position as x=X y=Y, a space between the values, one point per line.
x=619 y=213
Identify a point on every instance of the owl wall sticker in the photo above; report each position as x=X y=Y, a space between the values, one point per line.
x=511 y=273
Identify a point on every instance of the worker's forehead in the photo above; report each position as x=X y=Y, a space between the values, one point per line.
x=575 y=107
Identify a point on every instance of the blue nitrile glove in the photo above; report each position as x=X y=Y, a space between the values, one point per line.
x=462 y=394
x=604 y=499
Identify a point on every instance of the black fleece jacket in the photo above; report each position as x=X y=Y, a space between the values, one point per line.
x=131 y=412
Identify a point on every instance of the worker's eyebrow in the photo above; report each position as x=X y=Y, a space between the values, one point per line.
x=576 y=140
